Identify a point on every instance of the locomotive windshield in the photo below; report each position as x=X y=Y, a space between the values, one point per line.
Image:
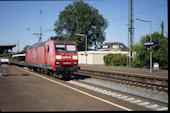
x=71 y=47
x=60 y=47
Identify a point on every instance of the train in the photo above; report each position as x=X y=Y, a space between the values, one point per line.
x=54 y=57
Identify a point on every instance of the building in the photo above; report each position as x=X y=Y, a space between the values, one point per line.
x=96 y=57
x=19 y=57
x=114 y=46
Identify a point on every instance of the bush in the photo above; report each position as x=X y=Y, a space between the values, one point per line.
x=115 y=60
x=159 y=52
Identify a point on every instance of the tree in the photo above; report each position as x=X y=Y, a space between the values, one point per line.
x=24 y=50
x=159 y=52
x=84 y=19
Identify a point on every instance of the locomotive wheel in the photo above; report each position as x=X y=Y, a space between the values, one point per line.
x=38 y=70
x=34 y=69
x=60 y=76
x=57 y=75
x=54 y=75
x=31 y=69
x=51 y=73
x=46 y=72
x=42 y=70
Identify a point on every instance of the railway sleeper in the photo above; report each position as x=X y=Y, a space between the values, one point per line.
x=162 y=82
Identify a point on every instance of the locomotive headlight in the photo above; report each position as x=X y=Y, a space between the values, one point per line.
x=58 y=56
x=75 y=57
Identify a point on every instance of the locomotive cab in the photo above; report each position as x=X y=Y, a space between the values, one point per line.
x=66 y=58
x=66 y=54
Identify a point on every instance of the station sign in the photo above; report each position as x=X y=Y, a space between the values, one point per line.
x=151 y=43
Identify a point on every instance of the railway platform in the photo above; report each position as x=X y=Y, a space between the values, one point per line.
x=24 y=90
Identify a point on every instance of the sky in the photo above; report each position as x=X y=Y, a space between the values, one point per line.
x=19 y=20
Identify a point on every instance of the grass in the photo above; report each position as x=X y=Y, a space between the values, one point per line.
x=131 y=67
x=125 y=67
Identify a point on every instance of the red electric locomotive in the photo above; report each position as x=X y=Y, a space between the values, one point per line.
x=54 y=57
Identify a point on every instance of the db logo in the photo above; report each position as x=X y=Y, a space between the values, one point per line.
x=34 y=55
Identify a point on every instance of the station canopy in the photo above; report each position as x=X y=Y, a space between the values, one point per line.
x=5 y=48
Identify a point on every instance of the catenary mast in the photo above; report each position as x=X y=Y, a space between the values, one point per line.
x=130 y=31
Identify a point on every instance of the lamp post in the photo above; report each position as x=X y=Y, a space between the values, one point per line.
x=83 y=35
x=162 y=25
x=150 y=41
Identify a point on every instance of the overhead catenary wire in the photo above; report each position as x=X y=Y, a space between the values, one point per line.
x=120 y=18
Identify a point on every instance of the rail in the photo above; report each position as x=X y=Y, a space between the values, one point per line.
x=158 y=80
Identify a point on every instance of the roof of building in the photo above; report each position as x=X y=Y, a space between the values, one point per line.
x=111 y=44
x=3 y=47
x=18 y=55
x=114 y=43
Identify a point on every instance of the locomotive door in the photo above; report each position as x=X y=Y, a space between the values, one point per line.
x=46 y=53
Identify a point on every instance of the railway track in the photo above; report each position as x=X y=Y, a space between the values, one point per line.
x=149 y=82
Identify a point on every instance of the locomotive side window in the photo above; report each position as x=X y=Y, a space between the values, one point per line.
x=48 y=48
x=60 y=47
x=71 y=47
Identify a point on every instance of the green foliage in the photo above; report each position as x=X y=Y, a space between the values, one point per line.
x=81 y=18
x=115 y=60
x=159 y=52
x=7 y=55
x=24 y=50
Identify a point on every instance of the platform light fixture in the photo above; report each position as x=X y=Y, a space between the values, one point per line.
x=150 y=41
